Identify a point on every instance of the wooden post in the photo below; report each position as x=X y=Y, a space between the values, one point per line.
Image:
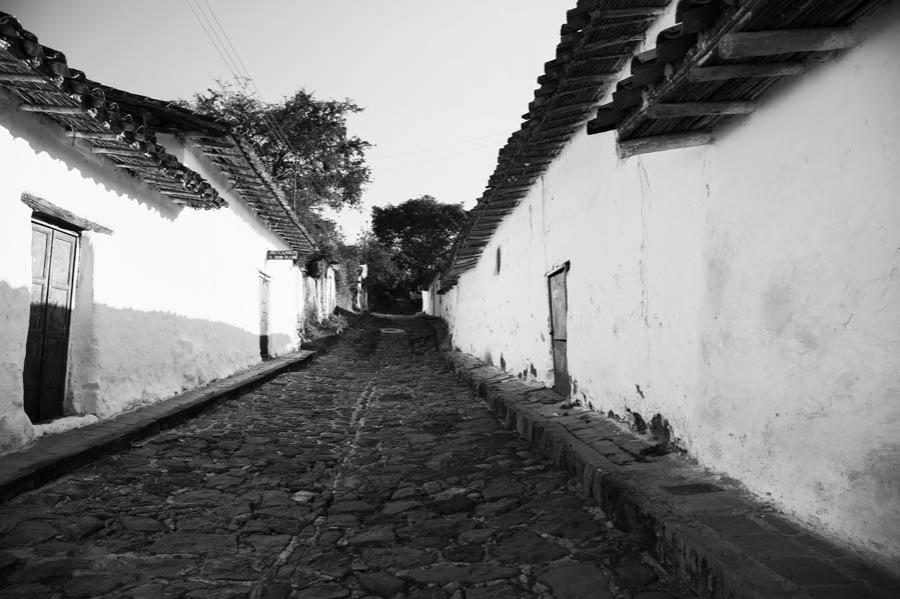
x=661 y=143
x=679 y=110
x=748 y=44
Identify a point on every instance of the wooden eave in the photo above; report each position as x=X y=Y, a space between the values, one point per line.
x=235 y=159
x=599 y=36
x=43 y=82
x=717 y=61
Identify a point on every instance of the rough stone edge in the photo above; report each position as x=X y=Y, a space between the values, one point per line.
x=713 y=566
x=40 y=463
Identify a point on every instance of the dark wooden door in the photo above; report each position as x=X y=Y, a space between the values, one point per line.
x=263 y=316
x=559 y=331
x=53 y=281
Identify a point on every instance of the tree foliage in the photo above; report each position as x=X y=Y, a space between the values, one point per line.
x=419 y=233
x=302 y=140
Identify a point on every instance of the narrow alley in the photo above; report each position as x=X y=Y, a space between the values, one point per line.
x=371 y=472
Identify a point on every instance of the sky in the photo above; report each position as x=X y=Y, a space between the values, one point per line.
x=443 y=84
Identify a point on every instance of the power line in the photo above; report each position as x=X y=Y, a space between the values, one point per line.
x=432 y=159
x=232 y=65
x=236 y=58
x=445 y=146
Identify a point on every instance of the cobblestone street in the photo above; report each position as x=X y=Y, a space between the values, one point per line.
x=370 y=473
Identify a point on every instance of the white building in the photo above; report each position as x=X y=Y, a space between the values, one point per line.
x=726 y=263
x=141 y=247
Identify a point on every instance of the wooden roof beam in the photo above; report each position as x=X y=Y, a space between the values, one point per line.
x=701 y=52
x=54 y=109
x=120 y=152
x=95 y=135
x=226 y=152
x=677 y=110
x=616 y=41
x=512 y=189
x=749 y=44
x=583 y=60
x=212 y=144
x=22 y=78
x=661 y=143
x=637 y=11
x=745 y=71
x=181 y=194
x=147 y=166
x=583 y=104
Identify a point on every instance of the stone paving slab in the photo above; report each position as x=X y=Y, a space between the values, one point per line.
x=373 y=472
x=55 y=455
x=717 y=536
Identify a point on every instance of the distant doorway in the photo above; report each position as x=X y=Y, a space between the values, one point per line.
x=556 y=283
x=53 y=252
x=263 y=316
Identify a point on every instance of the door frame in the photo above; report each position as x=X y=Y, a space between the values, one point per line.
x=57 y=224
x=557 y=270
x=264 y=280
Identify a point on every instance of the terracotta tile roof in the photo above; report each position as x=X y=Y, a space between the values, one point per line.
x=121 y=127
x=716 y=61
x=232 y=156
x=596 y=42
x=41 y=78
x=703 y=72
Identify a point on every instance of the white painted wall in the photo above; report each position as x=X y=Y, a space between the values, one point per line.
x=166 y=303
x=326 y=293
x=750 y=288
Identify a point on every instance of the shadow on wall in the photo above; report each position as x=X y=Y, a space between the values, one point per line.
x=46 y=139
x=126 y=357
x=117 y=359
x=15 y=428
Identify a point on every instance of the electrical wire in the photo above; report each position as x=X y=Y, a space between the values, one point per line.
x=491 y=137
x=239 y=73
x=246 y=75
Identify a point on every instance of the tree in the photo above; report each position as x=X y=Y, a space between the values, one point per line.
x=302 y=140
x=304 y=144
x=419 y=233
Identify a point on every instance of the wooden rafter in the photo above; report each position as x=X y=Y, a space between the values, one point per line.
x=659 y=143
x=744 y=71
x=54 y=109
x=677 y=110
x=750 y=44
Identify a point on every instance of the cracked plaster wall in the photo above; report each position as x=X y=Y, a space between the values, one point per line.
x=747 y=291
x=168 y=302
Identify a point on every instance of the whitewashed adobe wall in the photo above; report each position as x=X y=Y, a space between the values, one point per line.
x=747 y=291
x=166 y=303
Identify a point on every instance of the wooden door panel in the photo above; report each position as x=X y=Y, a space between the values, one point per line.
x=36 y=319
x=54 y=362
x=53 y=279
x=40 y=241
x=558 y=306
x=559 y=331
x=263 y=317
x=61 y=258
x=560 y=368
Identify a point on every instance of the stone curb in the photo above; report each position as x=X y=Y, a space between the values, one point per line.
x=717 y=537
x=58 y=454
